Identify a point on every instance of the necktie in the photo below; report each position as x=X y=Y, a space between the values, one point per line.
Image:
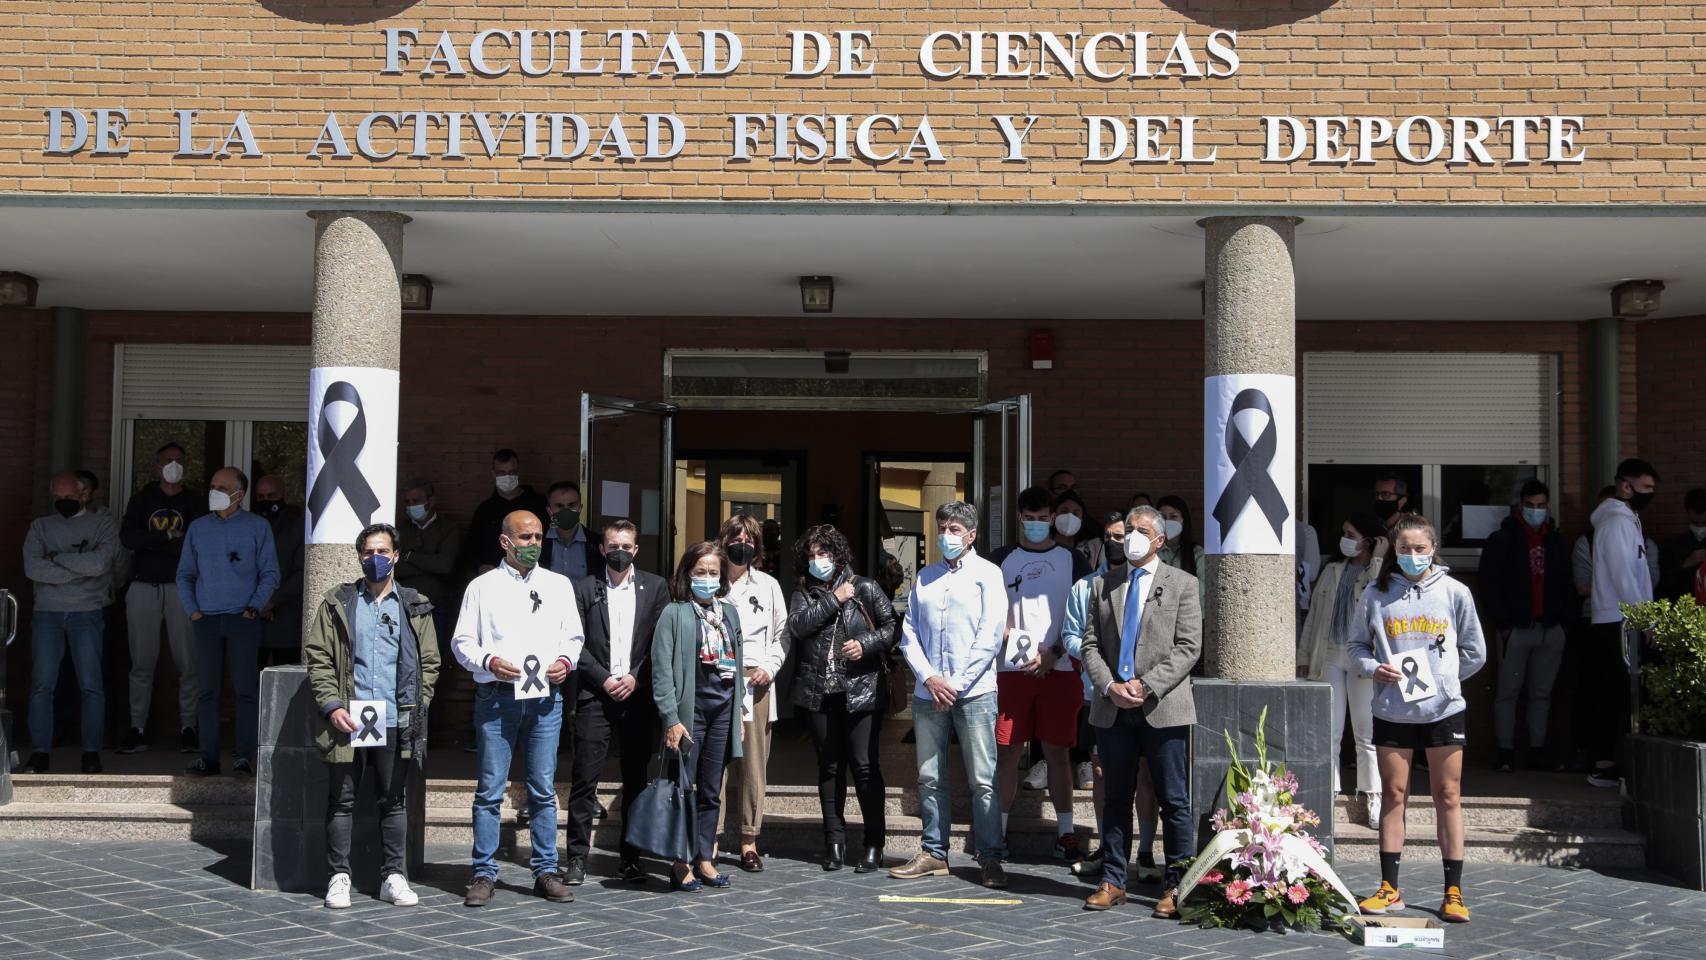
x=1131 y=624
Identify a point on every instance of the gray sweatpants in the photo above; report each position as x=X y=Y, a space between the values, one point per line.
x=1529 y=660
x=146 y=605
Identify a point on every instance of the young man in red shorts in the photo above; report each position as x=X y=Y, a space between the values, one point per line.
x=1039 y=689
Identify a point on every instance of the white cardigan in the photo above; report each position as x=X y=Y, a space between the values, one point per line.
x=1316 y=644
x=763 y=623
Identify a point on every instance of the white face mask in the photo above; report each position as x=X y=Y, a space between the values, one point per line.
x=1172 y=528
x=1350 y=546
x=1068 y=524
x=1137 y=548
x=1698 y=531
x=507 y=483
x=218 y=500
x=172 y=472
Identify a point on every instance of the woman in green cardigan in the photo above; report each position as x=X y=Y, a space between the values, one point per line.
x=695 y=683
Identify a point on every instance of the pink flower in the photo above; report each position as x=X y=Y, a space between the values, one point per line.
x=1298 y=894
x=1213 y=876
x=1238 y=892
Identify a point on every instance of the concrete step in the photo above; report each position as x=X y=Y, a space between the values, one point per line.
x=1503 y=812
x=29 y=820
x=1606 y=848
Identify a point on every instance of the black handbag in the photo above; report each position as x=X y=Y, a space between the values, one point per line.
x=661 y=819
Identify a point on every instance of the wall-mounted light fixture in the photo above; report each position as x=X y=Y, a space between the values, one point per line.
x=817 y=294
x=417 y=291
x=17 y=289
x=1636 y=298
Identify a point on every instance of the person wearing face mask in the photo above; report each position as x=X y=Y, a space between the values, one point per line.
x=1181 y=550
x=1681 y=556
x=1530 y=602
x=956 y=620
x=1038 y=690
x=68 y=556
x=1620 y=575
x=228 y=572
x=1142 y=637
x=519 y=630
x=845 y=629
x=696 y=671
x=1062 y=481
x=1391 y=497
x=480 y=552
x=281 y=633
x=371 y=640
x=1415 y=615
x=620 y=608
x=568 y=548
x=153 y=528
x=428 y=544
x=764 y=637
x=1323 y=653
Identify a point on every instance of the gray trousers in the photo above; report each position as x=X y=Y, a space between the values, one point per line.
x=1529 y=660
x=146 y=605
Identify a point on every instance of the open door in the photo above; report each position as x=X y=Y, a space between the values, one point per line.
x=628 y=472
x=1001 y=466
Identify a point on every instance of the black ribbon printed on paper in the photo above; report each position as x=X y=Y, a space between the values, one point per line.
x=1411 y=668
x=369 y=725
x=338 y=469
x=1250 y=478
x=530 y=666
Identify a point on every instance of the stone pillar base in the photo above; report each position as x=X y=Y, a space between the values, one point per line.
x=290 y=798
x=5 y=758
x=1298 y=734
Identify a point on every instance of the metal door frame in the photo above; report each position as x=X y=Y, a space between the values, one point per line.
x=600 y=407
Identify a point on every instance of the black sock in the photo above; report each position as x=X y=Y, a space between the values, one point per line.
x=1453 y=873
x=1389 y=867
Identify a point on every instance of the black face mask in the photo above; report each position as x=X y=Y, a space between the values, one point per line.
x=619 y=560
x=740 y=554
x=1384 y=509
x=270 y=508
x=67 y=507
x=1114 y=551
x=1639 y=501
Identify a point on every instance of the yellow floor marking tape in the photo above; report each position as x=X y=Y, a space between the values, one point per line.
x=886 y=898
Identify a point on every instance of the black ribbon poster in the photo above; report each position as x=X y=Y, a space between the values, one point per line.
x=531 y=686
x=1249 y=483
x=352 y=451
x=369 y=716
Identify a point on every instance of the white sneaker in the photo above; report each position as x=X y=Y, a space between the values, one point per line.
x=396 y=890
x=1037 y=779
x=1371 y=805
x=337 y=892
x=1084 y=777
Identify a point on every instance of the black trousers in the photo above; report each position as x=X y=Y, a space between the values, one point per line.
x=1603 y=662
x=597 y=718
x=847 y=743
x=391 y=777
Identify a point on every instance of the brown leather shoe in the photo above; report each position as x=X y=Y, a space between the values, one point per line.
x=552 y=888
x=751 y=862
x=1168 y=907
x=921 y=865
x=1107 y=895
x=994 y=874
x=479 y=892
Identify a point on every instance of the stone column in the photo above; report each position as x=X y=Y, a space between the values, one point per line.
x=937 y=489
x=1249 y=628
x=1605 y=402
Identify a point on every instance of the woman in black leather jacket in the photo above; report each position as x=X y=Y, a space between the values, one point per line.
x=843 y=630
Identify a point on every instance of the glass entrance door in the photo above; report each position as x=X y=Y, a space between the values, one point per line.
x=628 y=471
x=710 y=489
x=1001 y=466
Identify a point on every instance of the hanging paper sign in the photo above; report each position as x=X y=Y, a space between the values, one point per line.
x=1250 y=464
x=352 y=451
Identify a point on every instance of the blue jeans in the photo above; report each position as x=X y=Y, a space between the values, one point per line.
x=50 y=633
x=974 y=718
x=227 y=640
x=1167 y=749
x=503 y=724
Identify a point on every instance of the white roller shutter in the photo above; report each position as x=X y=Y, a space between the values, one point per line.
x=211 y=382
x=1430 y=408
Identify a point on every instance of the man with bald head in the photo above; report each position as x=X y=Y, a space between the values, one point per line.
x=519 y=634
x=226 y=576
x=68 y=555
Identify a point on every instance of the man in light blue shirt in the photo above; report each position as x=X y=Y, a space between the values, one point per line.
x=956 y=622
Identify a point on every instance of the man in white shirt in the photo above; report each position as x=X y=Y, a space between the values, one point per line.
x=519 y=634
x=620 y=607
x=955 y=619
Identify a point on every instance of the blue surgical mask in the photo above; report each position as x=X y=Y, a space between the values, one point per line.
x=706 y=587
x=377 y=568
x=1036 y=531
x=821 y=567
x=1535 y=516
x=1415 y=564
x=951 y=545
x=417 y=512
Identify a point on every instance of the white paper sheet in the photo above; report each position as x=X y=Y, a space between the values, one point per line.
x=1418 y=680
x=369 y=717
x=613 y=499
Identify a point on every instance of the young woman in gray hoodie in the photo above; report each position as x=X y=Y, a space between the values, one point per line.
x=1419 y=638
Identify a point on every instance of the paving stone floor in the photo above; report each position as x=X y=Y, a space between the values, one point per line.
x=116 y=901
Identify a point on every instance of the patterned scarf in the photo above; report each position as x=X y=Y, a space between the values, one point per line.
x=715 y=644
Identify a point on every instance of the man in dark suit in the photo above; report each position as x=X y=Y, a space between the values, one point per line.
x=619 y=607
x=1141 y=638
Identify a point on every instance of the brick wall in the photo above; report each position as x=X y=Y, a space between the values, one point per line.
x=1673 y=421
x=1631 y=69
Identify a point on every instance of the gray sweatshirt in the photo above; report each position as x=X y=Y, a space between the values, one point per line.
x=71 y=561
x=1435 y=615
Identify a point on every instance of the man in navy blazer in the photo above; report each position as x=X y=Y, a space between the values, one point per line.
x=619 y=608
x=1142 y=636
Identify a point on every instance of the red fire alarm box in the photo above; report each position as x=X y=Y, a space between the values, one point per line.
x=1042 y=349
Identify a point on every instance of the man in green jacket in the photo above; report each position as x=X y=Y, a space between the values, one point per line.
x=372 y=657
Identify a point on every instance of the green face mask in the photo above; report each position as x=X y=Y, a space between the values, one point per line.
x=566 y=519
x=529 y=556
